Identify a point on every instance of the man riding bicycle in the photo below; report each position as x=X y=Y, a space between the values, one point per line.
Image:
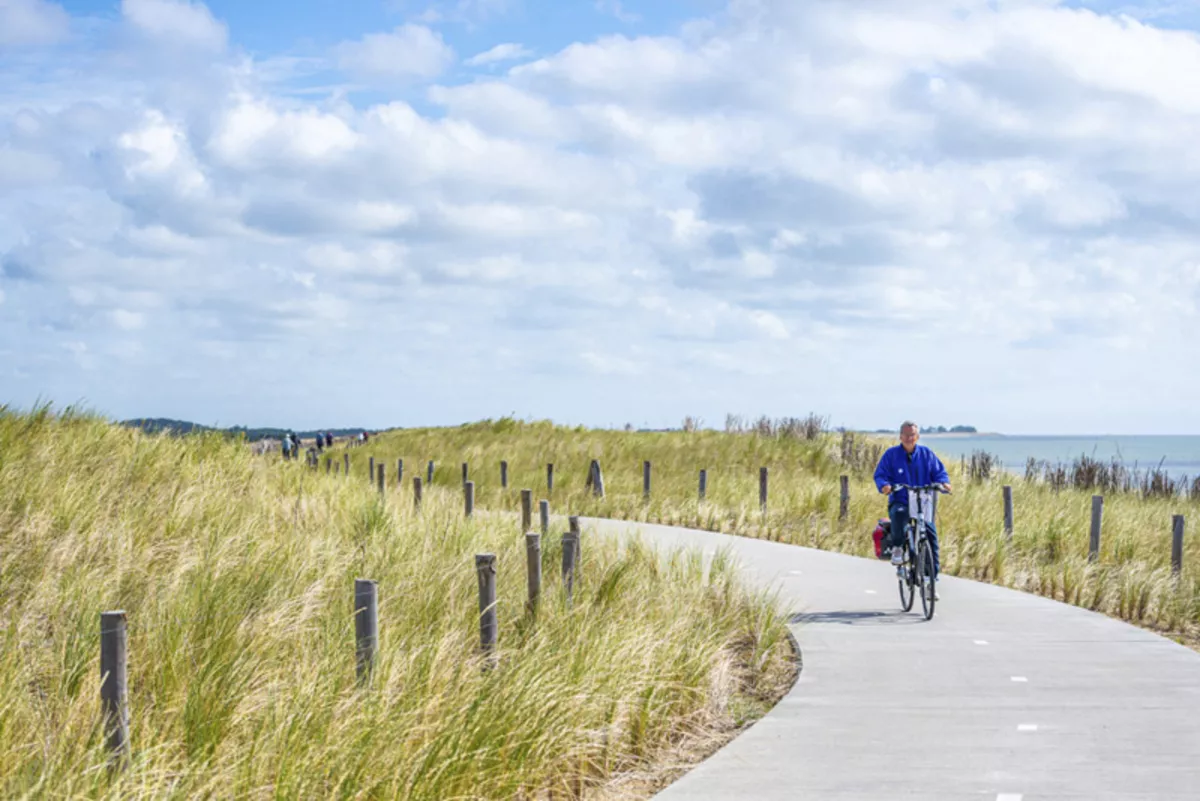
x=915 y=465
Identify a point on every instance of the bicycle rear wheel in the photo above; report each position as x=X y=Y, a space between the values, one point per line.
x=925 y=577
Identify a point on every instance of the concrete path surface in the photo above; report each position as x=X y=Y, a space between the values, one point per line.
x=1003 y=695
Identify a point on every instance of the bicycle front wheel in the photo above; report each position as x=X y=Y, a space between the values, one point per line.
x=905 y=580
x=925 y=577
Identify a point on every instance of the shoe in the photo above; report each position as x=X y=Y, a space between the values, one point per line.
x=897 y=555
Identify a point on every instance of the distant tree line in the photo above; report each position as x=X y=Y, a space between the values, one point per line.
x=936 y=430
x=155 y=425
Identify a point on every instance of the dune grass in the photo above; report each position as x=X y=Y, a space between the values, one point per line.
x=1048 y=553
x=237 y=575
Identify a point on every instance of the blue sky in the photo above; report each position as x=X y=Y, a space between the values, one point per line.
x=405 y=213
x=270 y=27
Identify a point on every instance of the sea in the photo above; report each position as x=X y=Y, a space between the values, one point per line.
x=1177 y=456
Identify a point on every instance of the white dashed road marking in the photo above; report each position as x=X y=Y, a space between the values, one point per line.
x=1009 y=797
x=871 y=592
x=1027 y=727
x=981 y=642
x=1019 y=678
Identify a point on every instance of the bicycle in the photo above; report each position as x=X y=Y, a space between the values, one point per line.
x=910 y=572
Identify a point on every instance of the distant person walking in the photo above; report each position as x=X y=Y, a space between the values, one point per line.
x=285 y=444
x=328 y=439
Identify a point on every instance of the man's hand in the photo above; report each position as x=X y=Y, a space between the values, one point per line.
x=946 y=488
x=887 y=489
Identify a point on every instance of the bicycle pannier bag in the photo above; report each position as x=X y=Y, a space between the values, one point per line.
x=882 y=530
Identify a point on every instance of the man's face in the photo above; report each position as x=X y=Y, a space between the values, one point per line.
x=908 y=438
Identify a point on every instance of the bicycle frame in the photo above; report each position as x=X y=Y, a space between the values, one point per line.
x=917 y=522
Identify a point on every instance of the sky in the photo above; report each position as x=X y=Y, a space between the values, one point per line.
x=389 y=213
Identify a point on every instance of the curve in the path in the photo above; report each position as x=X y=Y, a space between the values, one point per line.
x=1003 y=695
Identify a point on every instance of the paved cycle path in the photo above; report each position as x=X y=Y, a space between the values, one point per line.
x=1003 y=695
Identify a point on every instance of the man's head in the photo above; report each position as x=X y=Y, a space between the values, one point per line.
x=910 y=432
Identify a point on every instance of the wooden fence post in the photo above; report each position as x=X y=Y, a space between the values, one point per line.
x=469 y=497
x=113 y=683
x=596 y=479
x=346 y=459
x=503 y=475
x=533 y=567
x=371 y=469
x=569 y=543
x=762 y=489
x=328 y=465
x=489 y=628
x=485 y=571
x=544 y=514
x=366 y=627
x=703 y=483
x=573 y=527
x=549 y=476
x=1008 y=513
x=1177 y=544
x=380 y=471
x=646 y=479
x=399 y=472
x=526 y=509
x=429 y=474
x=417 y=493
x=844 y=504
x=1097 y=515
x=337 y=468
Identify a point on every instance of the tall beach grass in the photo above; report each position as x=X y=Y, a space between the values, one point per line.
x=237 y=574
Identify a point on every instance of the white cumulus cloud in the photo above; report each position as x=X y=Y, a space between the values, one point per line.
x=176 y=22
x=32 y=22
x=769 y=204
x=508 y=51
x=409 y=51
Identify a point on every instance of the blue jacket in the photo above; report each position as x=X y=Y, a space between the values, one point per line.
x=896 y=466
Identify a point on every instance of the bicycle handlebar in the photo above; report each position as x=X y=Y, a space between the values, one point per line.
x=923 y=487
